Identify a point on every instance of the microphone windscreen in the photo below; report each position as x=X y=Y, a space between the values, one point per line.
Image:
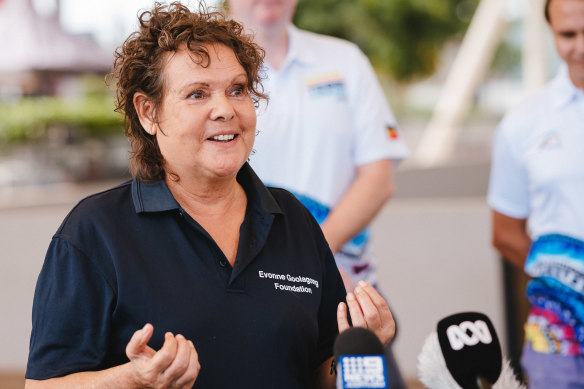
x=470 y=348
x=357 y=341
x=432 y=370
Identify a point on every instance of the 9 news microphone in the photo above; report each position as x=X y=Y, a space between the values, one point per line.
x=465 y=353
x=360 y=360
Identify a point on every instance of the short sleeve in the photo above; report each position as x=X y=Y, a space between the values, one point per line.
x=71 y=315
x=376 y=134
x=508 y=184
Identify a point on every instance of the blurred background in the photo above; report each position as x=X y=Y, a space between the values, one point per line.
x=450 y=68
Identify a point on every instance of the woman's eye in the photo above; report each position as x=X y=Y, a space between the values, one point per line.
x=198 y=94
x=238 y=90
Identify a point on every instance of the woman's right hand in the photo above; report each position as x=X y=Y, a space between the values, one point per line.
x=175 y=365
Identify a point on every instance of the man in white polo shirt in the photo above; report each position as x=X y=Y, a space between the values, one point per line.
x=536 y=192
x=327 y=133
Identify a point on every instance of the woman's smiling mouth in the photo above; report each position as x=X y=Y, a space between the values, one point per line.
x=223 y=138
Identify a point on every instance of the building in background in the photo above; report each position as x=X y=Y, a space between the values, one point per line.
x=38 y=58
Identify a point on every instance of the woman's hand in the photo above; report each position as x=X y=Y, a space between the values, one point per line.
x=175 y=365
x=369 y=310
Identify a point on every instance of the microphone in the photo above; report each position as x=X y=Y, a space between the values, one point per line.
x=465 y=353
x=360 y=360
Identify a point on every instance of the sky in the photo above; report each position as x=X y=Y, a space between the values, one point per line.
x=109 y=21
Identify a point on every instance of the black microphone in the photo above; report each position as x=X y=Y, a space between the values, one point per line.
x=360 y=360
x=465 y=353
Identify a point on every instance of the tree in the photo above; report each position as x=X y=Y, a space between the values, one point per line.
x=400 y=37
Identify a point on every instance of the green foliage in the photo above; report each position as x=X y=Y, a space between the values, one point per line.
x=401 y=37
x=507 y=59
x=92 y=114
x=30 y=117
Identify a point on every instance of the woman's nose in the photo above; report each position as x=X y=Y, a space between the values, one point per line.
x=222 y=108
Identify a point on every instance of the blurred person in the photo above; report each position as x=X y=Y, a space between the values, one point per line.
x=327 y=133
x=536 y=192
x=192 y=273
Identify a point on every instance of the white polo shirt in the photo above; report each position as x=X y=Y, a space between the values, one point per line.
x=537 y=169
x=326 y=115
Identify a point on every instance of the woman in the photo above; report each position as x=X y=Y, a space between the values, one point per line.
x=194 y=259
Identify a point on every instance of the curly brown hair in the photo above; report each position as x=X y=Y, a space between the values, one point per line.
x=139 y=63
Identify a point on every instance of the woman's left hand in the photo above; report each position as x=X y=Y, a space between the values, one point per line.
x=369 y=310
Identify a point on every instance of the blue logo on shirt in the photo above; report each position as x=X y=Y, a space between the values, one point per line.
x=330 y=84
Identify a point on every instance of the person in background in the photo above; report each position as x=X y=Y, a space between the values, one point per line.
x=536 y=193
x=327 y=134
x=193 y=273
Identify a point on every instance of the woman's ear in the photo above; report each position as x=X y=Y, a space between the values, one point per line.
x=145 y=109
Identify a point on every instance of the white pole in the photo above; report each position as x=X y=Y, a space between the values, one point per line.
x=469 y=67
x=534 y=45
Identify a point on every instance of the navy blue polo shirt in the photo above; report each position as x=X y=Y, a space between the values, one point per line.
x=131 y=255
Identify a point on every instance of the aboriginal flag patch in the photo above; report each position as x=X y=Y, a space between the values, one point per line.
x=392 y=132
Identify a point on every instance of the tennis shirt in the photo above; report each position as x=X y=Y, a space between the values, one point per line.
x=537 y=169
x=326 y=116
x=131 y=255
x=537 y=174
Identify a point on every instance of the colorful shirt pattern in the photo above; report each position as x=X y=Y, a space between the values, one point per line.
x=537 y=173
x=556 y=321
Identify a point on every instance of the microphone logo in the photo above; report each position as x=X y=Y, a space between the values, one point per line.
x=360 y=360
x=468 y=333
x=462 y=352
x=363 y=371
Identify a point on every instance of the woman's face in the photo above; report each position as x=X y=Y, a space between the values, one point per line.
x=206 y=122
x=567 y=24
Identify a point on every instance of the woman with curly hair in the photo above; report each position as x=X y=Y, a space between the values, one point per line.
x=193 y=273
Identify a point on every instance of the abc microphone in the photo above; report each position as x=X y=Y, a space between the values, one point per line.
x=360 y=360
x=465 y=353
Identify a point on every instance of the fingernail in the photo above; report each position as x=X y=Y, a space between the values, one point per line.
x=358 y=290
x=180 y=336
x=351 y=296
x=363 y=283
